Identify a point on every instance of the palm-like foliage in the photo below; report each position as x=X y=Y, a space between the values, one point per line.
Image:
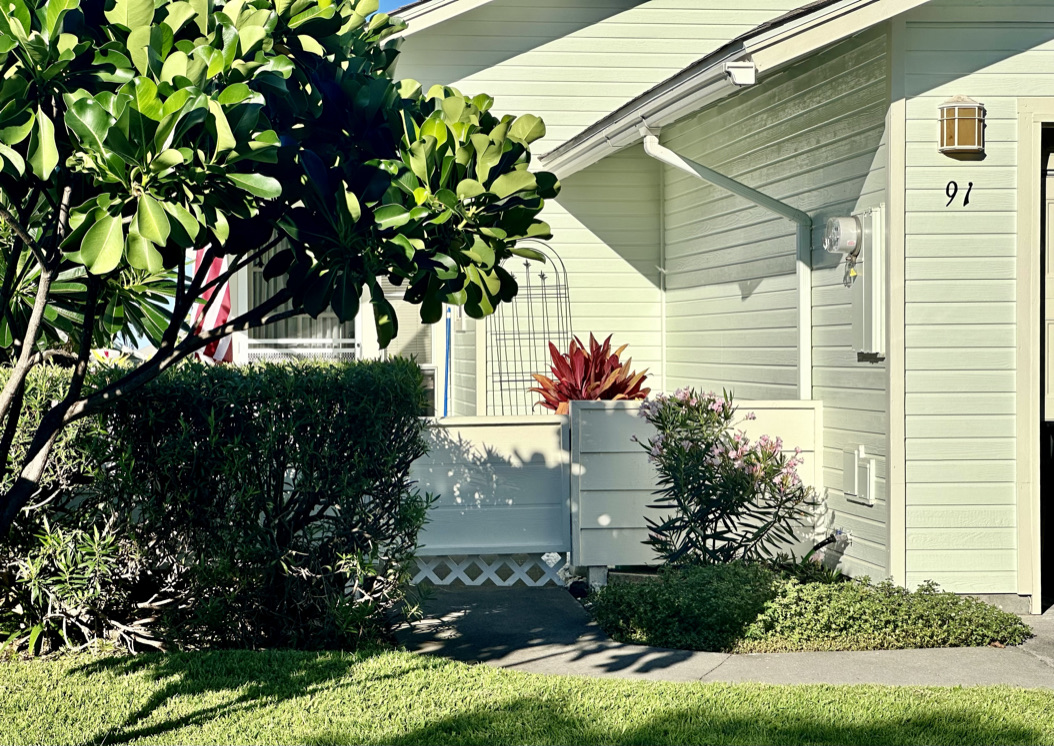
x=593 y=373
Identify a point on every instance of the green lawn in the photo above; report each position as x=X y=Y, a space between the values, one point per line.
x=400 y=698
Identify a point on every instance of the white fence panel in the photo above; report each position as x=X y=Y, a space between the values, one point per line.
x=612 y=482
x=503 y=486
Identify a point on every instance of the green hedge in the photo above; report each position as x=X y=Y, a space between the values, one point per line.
x=247 y=507
x=751 y=609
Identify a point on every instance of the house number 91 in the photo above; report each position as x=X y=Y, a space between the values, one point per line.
x=953 y=189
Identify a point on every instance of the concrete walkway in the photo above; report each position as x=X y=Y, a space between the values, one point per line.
x=545 y=630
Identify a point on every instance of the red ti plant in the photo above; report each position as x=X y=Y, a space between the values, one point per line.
x=593 y=374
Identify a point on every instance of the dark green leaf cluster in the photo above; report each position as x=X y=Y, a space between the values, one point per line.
x=181 y=124
x=702 y=608
x=257 y=507
x=749 y=608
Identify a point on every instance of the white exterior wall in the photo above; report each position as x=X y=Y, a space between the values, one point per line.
x=606 y=228
x=463 y=368
x=813 y=136
x=572 y=63
x=960 y=290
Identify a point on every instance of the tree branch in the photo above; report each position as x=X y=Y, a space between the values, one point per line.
x=63 y=218
x=87 y=327
x=240 y=264
x=20 y=231
x=181 y=309
x=46 y=356
x=164 y=359
x=29 y=342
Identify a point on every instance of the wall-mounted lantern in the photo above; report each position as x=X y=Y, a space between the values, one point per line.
x=962 y=127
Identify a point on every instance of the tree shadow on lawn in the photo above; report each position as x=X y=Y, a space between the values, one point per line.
x=532 y=721
x=257 y=679
x=714 y=714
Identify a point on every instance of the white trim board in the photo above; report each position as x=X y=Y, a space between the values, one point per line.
x=420 y=16
x=1033 y=113
x=706 y=82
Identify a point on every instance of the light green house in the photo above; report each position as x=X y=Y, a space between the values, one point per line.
x=703 y=148
x=837 y=114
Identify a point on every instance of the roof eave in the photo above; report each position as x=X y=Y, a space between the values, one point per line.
x=706 y=81
x=671 y=101
x=421 y=16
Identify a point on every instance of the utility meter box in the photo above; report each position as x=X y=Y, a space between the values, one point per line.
x=862 y=239
x=868 y=286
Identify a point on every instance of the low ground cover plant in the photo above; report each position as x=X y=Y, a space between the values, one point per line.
x=247 y=507
x=750 y=608
x=730 y=583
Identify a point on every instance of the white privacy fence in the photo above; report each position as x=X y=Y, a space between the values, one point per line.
x=504 y=499
x=520 y=497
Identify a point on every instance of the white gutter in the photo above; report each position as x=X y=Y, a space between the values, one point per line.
x=804 y=242
x=715 y=76
x=707 y=86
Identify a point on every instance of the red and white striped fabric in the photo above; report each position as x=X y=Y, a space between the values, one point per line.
x=220 y=350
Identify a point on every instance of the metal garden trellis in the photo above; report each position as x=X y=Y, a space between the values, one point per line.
x=519 y=333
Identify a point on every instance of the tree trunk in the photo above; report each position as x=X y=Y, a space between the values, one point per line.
x=28 y=483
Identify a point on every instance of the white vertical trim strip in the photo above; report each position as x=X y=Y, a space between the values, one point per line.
x=895 y=274
x=804 y=278
x=1032 y=113
x=481 y=367
x=663 y=386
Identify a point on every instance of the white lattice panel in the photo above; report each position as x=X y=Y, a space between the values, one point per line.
x=500 y=569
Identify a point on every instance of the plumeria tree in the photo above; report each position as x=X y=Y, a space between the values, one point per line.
x=134 y=131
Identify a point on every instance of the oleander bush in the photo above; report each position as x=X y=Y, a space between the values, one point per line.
x=751 y=608
x=229 y=507
x=729 y=498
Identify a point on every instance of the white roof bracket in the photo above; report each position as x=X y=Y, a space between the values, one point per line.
x=742 y=72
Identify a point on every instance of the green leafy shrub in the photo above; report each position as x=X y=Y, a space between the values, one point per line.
x=750 y=608
x=247 y=507
x=701 y=608
x=732 y=498
x=62 y=577
x=861 y=616
x=70 y=465
x=72 y=585
x=810 y=568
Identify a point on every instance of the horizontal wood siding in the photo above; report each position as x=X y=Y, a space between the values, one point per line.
x=463 y=368
x=606 y=228
x=960 y=290
x=503 y=486
x=572 y=63
x=613 y=483
x=813 y=136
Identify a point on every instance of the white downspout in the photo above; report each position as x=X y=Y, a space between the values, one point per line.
x=804 y=241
